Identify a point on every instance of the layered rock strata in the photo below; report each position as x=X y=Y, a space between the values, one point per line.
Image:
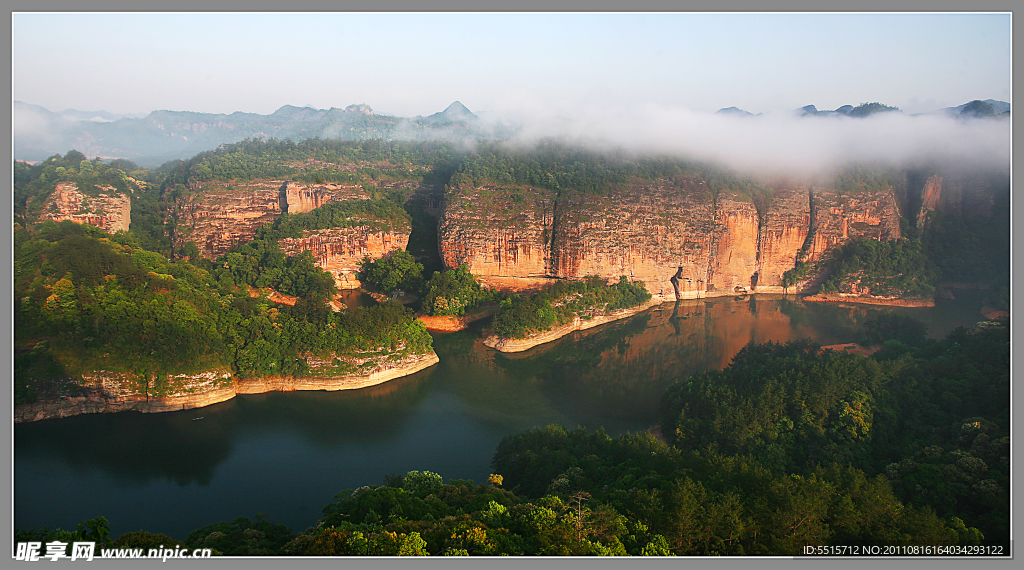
x=110 y=210
x=651 y=233
x=299 y=198
x=784 y=227
x=500 y=233
x=220 y=216
x=677 y=237
x=838 y=217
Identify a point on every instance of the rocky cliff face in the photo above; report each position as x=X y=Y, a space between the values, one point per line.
x=784 y=227
x=104 y=392
x=299 y=198
x=221 y=215
x=735 y=260
x=931 y=196
x=838 y=217
x=107 y=392
x=340 y=250
x=676 y=236
x=110 y=211
x=497 y=232
x=659 y=234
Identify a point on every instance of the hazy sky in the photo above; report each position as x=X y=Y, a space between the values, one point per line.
x=417 y=63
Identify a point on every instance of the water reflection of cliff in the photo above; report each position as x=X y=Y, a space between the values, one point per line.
x=616 y=374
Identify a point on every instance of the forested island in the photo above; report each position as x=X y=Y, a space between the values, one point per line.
x=181 y=286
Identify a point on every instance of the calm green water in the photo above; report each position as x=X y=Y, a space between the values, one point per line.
x=286 y=454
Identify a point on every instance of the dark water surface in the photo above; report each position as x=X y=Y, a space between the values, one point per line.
x=286 y=454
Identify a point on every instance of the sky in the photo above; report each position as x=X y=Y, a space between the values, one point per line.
x=410 y=64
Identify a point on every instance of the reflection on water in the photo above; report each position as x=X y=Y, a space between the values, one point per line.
x=287 y=454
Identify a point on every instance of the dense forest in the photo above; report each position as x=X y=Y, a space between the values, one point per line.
x=891 y=269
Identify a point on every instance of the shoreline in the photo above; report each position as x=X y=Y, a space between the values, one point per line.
x=848 y=298
x=100 y=400
x=504 y=344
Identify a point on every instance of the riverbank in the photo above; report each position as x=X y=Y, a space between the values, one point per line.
x=106 y=393
x=850 y=298
x=505 y=344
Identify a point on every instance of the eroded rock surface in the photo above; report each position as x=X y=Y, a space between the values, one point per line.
x=109 y=211
x=678 y=237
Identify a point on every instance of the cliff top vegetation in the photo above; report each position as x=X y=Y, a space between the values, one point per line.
x=34 y=184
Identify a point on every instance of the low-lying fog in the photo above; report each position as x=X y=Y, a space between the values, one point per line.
x=784 y=143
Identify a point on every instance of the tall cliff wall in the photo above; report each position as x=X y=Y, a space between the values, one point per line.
x=931 y=197
x=735 y=260
x=221 y=215
x=109 y=211
x=840 y=216
x=784 y=227
x=498 y=232
x=652 y=233
x=676 y=236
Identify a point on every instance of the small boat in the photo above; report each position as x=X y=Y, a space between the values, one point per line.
x=199 y=418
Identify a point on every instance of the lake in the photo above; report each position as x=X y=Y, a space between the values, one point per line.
x=286 y=455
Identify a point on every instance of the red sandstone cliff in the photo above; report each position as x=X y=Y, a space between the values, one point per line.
x=498 y=232
x=300 y=198
x=109 y=211
x=675 y=236
x=784 y=227
x=221 y=215
x=931 y=197
x=340 y=250
x=839 y=216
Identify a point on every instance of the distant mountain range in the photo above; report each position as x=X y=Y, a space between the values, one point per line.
x=973 y=109
x=152 y=139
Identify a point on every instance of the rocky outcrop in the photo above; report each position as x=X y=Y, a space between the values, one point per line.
x=219 y=216
x=651 y=233
x=109 y=211
x=367 y=376
x=676 y=236
x=453 y=323
x=299 y=198
x=105 y=392
x=868 y=300
x=339 y=251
